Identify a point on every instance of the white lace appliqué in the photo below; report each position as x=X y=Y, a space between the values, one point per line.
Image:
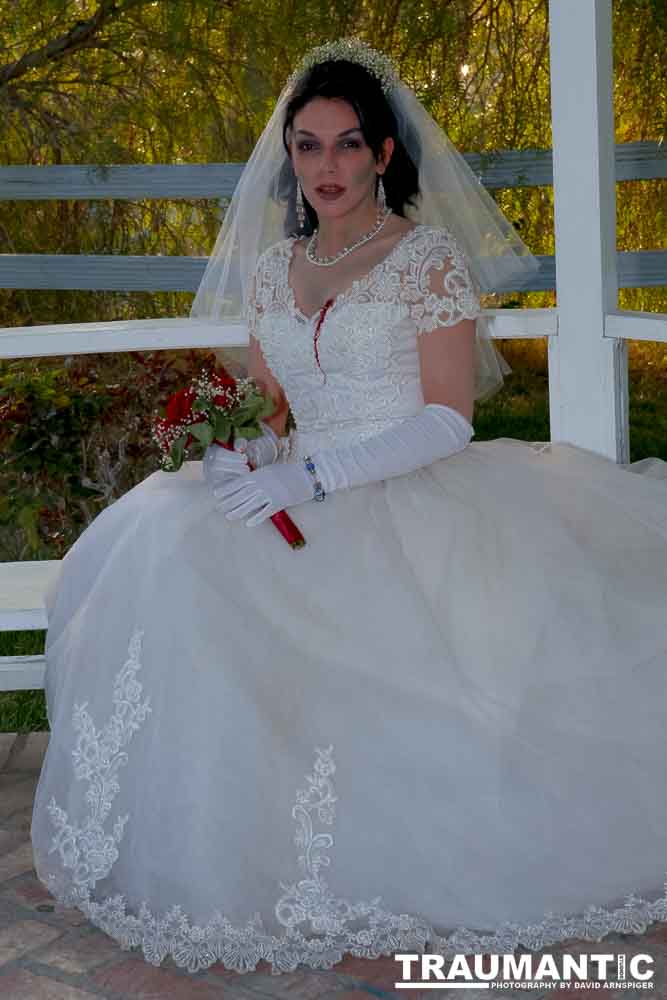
x=87 y=851
x=320 y=927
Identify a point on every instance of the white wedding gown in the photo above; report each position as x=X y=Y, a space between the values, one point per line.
x=441 y=721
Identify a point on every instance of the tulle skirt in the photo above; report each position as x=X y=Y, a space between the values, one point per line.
x=442 y=721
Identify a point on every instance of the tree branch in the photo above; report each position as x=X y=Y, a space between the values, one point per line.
x=81 y=35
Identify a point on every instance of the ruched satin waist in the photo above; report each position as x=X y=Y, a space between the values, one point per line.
x=306 y=441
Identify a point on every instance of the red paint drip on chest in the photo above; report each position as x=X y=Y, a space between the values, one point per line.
x=318 y=327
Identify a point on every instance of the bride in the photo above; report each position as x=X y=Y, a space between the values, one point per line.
x=441 y=723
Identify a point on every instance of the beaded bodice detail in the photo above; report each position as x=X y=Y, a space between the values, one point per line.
x=368 y=376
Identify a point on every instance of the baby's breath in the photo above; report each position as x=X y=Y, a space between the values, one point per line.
x=203 y=388
x=165 y=437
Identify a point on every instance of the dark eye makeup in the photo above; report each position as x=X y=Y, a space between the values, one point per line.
x=305 y=145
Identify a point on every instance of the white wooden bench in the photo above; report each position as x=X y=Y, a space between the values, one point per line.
x=22 y=589
x=587 y=335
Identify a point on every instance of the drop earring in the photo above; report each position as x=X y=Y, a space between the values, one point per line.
x=381 y=197
x=300 y=210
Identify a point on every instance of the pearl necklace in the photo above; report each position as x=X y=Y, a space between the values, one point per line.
x=329 y=261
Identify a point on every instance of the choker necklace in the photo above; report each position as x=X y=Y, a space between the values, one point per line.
x=329 y=261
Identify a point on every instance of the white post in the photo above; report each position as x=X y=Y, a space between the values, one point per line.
x=588 y=375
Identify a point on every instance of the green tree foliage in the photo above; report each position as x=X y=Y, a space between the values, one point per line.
x=164 y=81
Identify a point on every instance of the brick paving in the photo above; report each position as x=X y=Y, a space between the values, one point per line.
x=49 y=952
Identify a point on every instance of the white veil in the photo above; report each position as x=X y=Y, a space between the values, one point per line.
x=261 y=213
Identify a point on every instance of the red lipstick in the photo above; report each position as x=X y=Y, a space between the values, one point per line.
x=330 y=192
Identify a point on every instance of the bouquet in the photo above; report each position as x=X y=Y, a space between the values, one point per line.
x=213 y=409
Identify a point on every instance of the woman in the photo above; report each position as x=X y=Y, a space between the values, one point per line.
x=446 y=711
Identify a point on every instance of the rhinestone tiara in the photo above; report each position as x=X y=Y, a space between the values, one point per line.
x=350 y=50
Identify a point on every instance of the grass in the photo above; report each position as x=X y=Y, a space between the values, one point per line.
x=520 y=411
x=22 y=711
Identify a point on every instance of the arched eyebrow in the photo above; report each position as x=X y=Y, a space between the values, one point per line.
x=312 y=135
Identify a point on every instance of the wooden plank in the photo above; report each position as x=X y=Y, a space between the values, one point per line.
x=132 y=273
x=642 y=268
x=512 y=168
x=101 y=272
x=496 y=169
x=636 y=325
x=520 y=324
x=641 y=161
x=133 y=182
x=22 y=673
x=121 y=335
x=22 y=621
x=588 y=374
x=161 y=334
x=110 y=272
x=22 y=589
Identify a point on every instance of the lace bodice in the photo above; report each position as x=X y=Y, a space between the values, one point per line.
x=368 y=377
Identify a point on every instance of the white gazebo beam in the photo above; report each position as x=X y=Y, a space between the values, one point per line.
x=588 y=373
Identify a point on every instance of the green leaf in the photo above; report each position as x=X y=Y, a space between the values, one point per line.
x=268 y=408
x=203 y=433
x=248 y=431
x=245 y=409
x=177 y=451
x=222 y=427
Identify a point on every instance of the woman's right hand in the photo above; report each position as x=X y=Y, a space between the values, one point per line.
x=222 y=464
x=260 y=451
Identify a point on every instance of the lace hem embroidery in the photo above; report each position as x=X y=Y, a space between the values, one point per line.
x=364 y=929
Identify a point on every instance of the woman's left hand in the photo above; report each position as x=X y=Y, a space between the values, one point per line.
x=263 y=492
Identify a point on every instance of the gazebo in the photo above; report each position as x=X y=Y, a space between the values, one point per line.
x=587 y=333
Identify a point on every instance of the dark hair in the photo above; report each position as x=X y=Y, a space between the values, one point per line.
x=352 y=83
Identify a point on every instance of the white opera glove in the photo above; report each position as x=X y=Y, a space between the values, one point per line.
x=222 y=464
x=435 y=433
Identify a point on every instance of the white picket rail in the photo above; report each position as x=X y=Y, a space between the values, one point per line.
x=587 y=334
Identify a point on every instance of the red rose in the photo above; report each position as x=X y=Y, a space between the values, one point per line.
x=179 y=407
x=223 y=399
x=223 y=381
x=222 y=377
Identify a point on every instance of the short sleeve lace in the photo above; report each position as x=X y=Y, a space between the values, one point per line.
x=253 y=307
x=268 y=288
x=440 y=289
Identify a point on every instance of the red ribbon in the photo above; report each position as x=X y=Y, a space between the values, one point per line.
x=318 y=326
